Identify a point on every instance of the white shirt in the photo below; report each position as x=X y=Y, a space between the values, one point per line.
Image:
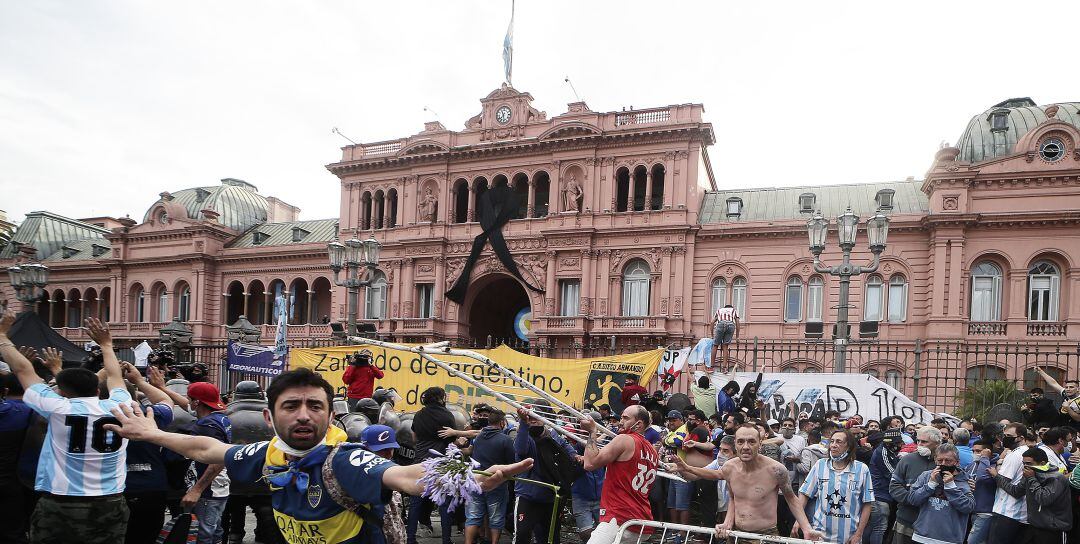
x=1005 y=504
x=726 y=314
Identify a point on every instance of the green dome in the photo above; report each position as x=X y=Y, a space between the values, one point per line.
x=994 y=132
x=239 y=203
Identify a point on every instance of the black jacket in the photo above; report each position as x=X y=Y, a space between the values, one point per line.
x=426 y=425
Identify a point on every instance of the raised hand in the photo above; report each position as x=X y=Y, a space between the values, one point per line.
x=6 y=321
x=54 y=359
x=134 y=425
x=28 y=352
x=130 y=373
x=99 y=332
x=155 y=377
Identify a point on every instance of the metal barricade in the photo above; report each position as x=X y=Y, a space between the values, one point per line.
x=674 y=529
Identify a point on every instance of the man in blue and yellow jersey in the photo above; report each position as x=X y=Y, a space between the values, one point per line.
x=323 y=489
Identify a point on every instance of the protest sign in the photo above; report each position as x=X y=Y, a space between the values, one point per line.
x=252 y=359
x=598 y=380
x=816 y=393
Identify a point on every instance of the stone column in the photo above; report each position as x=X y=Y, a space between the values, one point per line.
x=440 y=286
x=555 y=204
x=408 y=288
x=531 y=208
x=666 y=278
x=587 y=279
x=938 y=294
x=52 y=310
x=268 y=308
x=648 y=190
x=247 y=298
x=603 y=289
x=549 y=284
x=629 y=191
x=310 y=300
x=956 y=272
x=472 y=204
x=1014 y=297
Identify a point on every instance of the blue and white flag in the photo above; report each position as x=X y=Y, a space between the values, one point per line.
x=253 y=359
x=508 y=48
x=281 y=347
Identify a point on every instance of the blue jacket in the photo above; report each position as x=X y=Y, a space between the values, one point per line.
x=880 y=475
x=985 y=487
x=525 y=447
x=966 y=456
x=943 y=518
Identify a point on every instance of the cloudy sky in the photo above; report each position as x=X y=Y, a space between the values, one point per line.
x=104 y=104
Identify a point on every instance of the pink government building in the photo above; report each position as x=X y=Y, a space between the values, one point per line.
x=633 y=238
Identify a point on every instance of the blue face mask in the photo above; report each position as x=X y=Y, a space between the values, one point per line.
x=825 y=442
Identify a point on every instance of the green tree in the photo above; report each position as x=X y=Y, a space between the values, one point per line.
x=978 y=398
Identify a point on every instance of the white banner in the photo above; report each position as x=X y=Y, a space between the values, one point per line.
x=816 y=393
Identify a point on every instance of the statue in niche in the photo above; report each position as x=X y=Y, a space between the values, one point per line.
x=572 y=195
x=428 y=206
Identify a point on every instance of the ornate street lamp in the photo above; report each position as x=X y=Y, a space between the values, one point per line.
x=358 y=259
x=243 y=331
x=176 y=336
x=29 y=281
x=877 y=231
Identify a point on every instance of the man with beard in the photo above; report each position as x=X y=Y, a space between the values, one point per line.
x=908 y=470
x=318 y=481
x=631 y=463
x=842 y=489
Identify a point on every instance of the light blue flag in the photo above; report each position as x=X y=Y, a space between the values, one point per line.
x=508 y=48
x=281 y=346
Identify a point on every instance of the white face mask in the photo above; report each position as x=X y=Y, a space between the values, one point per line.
x=923 y=451
x=289 y=450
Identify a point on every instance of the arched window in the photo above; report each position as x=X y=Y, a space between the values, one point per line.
x=1044 y=283
x=894 y=379
x=738 y=296
x=793 y=299
x=872 y=304
x=815 y=299
x=163 y=305
x=365 y=210
x=183 y=303
x=641 y=179
x=521 y=190
x=375 y=297
x=897 y=298
x=391 y=208
x=979 y=373
x=379 y=204
x=461 y=201
x=74 y=309
x=719 y=294
x=138 y=304
x=541 y=194
x=635 y=294
x=622 y=189
x=985 y=292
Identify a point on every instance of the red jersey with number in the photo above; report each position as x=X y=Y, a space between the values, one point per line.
x=625 y=494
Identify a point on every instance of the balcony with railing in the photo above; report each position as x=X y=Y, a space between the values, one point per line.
x=987 y=328
x=561 y=325
x=1046 y=328
x=650 y=324
x=642 y=117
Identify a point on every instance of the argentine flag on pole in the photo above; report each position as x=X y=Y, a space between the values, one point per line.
x=281 y=347
x=508 y=47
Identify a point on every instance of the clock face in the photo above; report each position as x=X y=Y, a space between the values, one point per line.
x=502 y=115
x=1052 y=149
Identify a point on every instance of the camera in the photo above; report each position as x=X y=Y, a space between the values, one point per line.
x=360 y=358
x=94 y=359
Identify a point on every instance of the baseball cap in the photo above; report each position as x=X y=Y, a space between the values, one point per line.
x=206 y=393
x=773 y=422
x=378 y=438
x=674 y=414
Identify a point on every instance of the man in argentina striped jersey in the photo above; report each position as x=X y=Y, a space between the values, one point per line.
x=82 y=469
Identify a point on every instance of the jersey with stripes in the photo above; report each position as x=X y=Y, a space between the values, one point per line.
x=840 y=495
x=79 y=457
x=726 y=314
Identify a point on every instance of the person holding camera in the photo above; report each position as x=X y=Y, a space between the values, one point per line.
x=360 y=378
x=944 y=499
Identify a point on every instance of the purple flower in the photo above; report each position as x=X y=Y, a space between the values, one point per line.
x=448 y=479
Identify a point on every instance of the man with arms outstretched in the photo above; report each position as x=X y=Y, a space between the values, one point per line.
x=322 y=488
x=753 y=483
x=631 y=470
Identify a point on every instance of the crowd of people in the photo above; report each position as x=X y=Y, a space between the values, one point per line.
x=110 y=455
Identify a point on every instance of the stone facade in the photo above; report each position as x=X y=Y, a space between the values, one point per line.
x=608 y=195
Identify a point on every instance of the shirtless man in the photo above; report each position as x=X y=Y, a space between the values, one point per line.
x=753 y=482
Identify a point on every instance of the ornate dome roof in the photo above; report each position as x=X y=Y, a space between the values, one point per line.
x=238 y=202
x=994 y=132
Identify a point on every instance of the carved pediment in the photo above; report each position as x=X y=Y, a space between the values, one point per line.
x=575 y=129
x=423 y=147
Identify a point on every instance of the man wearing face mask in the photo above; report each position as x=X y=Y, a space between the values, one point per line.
x=944 y=499
x=555 y=464
x=1010 y=511
x=428 y=425
x=882 y=466
x=791 y=449
x=908 y=470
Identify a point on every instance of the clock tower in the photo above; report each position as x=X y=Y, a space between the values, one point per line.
x=504 y=114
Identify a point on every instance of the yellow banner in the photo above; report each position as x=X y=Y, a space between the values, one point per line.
x=598 y=380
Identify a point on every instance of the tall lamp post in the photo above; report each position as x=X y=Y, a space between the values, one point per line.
x=359 y=260
x=29 y=281
x=877 y=229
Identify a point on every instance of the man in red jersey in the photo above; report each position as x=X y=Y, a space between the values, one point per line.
x=631 y=469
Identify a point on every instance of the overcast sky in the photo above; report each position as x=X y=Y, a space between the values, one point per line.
x=104 y=104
